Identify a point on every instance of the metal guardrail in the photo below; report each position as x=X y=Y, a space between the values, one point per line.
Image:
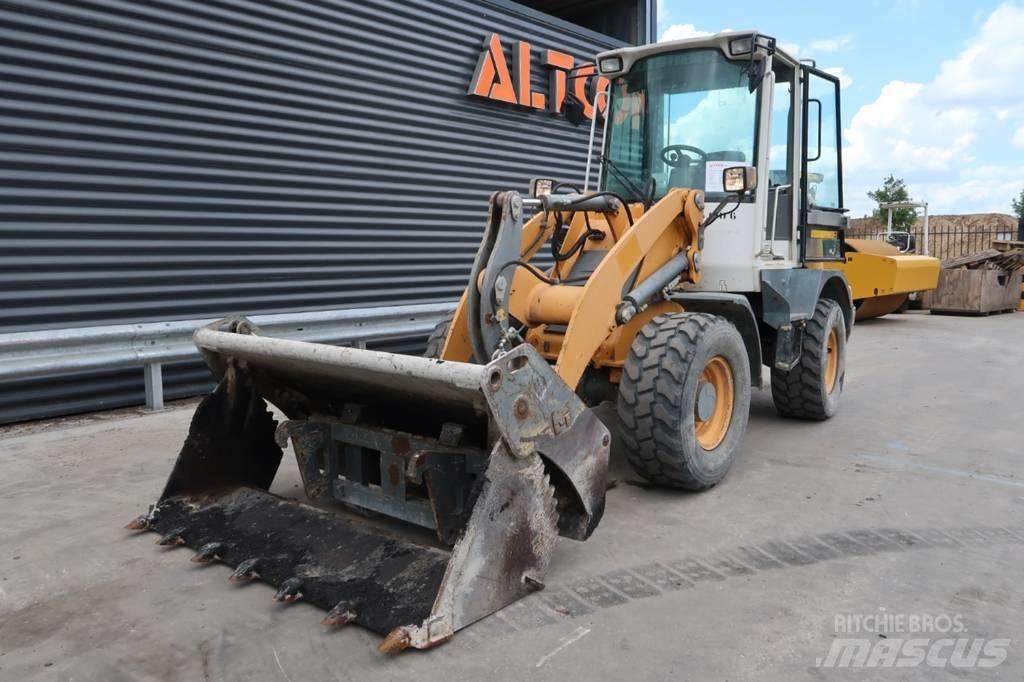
x=42 y=353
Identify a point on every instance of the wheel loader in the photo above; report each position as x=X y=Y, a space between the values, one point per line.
x=665 y=290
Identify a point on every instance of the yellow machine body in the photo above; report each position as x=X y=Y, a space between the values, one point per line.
x=881 y=277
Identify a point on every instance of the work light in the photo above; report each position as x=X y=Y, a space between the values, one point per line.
x=541 y=187
x=746 y=44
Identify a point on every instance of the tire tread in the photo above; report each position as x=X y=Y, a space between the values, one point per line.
x=435 y=342
x=650 y=396
x=796 y=393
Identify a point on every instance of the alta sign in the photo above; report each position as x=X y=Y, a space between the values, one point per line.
x=493 y=79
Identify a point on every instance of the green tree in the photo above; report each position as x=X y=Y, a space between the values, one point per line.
x=1018 y=206
x=894 y=189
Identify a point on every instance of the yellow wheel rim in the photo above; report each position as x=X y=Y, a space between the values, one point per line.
x=831 y=361
x=715 y=397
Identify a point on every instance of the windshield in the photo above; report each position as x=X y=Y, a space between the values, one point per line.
x=680 y=118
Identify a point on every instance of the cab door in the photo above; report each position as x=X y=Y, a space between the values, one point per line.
x=823 y=218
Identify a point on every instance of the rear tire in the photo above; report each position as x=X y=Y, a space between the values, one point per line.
x=684 y=399
x=811 y=390
x=435 y=342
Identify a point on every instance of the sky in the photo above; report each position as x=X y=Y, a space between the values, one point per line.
x=933 y=91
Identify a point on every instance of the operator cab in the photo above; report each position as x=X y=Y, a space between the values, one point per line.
x=681 y=112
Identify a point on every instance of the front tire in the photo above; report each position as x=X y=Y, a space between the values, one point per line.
x=435 y=342
x=684 y=399
x=811 y=390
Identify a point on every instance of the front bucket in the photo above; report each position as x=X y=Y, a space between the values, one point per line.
x=497 y=459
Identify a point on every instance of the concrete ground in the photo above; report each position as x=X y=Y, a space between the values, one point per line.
x=908 y=504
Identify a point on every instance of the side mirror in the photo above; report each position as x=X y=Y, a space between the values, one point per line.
x=739 y=179
x=572 y=109
x=736 y=180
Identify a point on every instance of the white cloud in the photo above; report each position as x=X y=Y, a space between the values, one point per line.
x=824 y=45
x=1018 y=138
x=845 y=80
x=719 y=121
x=832 y=44
x=792 y=49
x=684 y=31
x=1009 y=113
x=988 y=70
x=901 y=130
x=982 y=189
x=927 y=132
x=681 y=32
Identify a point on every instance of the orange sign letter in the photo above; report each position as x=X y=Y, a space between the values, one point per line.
x=561 y=63
x=582 y=80
x=521 y=74
x=492 y=78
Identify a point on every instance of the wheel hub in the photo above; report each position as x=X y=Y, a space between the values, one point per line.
x=831 y=361
x=706 y=397
x=712 y=410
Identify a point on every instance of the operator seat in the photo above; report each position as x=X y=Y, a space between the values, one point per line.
x=692 y=175
x=689 y=176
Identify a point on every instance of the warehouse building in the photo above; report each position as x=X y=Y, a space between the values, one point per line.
x=189 y=159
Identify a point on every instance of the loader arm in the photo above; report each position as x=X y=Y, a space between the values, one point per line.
x=457 y=345
x=667 y=229
x=587 y=310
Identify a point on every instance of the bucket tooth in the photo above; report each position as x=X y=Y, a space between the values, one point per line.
x=247 y=570
x=172 y=539
x=290 y=590
x=208 y=553
x=396 y=641
x=533 y=583
x=343 y=613
x=139 y=523
x=385 y=581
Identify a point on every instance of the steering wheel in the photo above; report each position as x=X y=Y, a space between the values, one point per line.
x=673 y=155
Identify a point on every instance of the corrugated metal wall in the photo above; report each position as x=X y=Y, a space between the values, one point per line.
x=179 y=158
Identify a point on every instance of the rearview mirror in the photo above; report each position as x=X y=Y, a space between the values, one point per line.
x=739 y=179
